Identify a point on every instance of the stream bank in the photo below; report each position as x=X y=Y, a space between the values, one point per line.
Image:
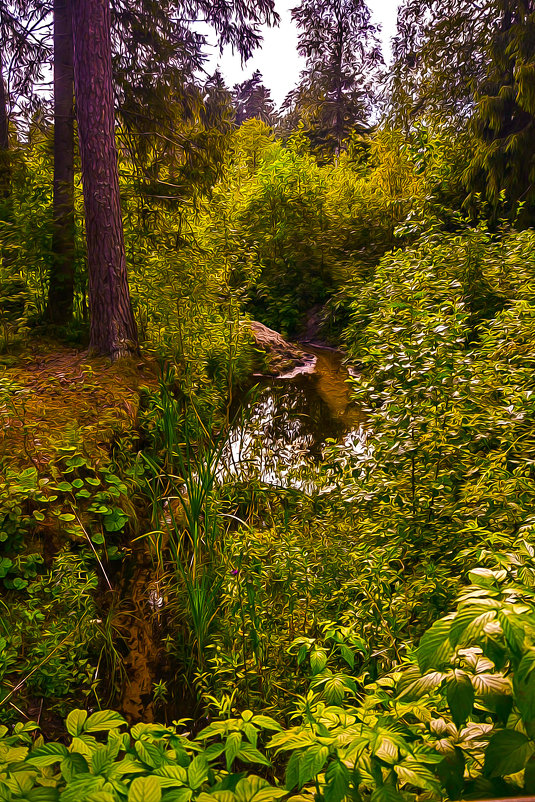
x=280 y=430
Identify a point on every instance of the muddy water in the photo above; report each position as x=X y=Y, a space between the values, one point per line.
x=331 y=384
x=284 y=424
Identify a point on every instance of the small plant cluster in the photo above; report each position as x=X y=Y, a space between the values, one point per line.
x=148 y=763
x=63 y=524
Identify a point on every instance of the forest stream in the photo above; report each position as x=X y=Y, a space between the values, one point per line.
x=279 y=431
x=284 y=422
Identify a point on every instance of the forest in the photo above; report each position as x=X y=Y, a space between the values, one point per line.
x=267 y=404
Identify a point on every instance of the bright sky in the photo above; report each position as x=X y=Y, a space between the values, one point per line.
x=278 y=61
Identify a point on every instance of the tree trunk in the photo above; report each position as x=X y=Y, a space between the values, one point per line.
x=113 y=329
x=61 y=283
x=6 y=208
x=339 y=121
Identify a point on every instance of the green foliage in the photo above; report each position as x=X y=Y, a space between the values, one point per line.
x=147 y=763
x=52 y=636
x=323 y=630
x=460 y=718
x=186 y=539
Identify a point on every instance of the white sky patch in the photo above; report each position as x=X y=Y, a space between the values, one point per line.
x=278 y=60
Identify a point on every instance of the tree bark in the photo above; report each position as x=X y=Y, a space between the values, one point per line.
x=5 y=176
x=61 y=281
x=6 y=204
x=113 y=328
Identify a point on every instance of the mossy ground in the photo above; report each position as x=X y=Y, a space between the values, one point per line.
x=52 y=395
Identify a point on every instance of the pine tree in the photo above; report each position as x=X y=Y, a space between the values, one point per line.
x=21 y=57
x=61 y=278
x=474 y=72
x=440 y=54
x=504 y=114
x=252 y=100
x=113 y=329
x=5 y=165
x=342 y=52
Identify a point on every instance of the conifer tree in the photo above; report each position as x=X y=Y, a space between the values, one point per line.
x=61 y=278
x=5 y=166
x=253 y=100
x=22 y=54
x=504 y=116
x=474 y=72
x=113 y=329
x=342 y=52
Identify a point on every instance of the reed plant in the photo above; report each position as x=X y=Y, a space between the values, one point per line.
x=188 y=531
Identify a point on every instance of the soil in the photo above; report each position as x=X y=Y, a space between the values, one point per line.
x=52 y=395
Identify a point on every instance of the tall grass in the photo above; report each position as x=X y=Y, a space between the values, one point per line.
x=186 y=518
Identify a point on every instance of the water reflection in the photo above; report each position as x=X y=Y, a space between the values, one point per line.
x=284 y=424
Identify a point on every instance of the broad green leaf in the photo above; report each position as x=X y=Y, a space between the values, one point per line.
x=387 y=793
x=514 y=629
x=84 y=745
x=81 y=788
x=101 y=796
x=232 y=747
x=14 y=754
x=460 y=695
x=347 y=655
x=470 y=621
x=508 y=752
x=255 y=789
x=435 y=650
x=73 y=766
x=47 y=755
x=420 y=685
x=104 y=756
x=524 y=686
x=42 y=795
x=145 y=789
x=171 y=776
x=217 y=796
x=250 y=754
x=413 y=773
x=485 y=684
x=385 y=749
x=21 y=782
x=197 y=772
x=103 y=720
x=75 y=721
x=266 y=723
x=318 y=660
x=312 y=762
x=143 y=728
x=179 y=795
x=149 y=753
x=483 y=577
x=267 y=794
x=335 y=688
x=337 y=780
x=292 y=771
x=451 y=772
